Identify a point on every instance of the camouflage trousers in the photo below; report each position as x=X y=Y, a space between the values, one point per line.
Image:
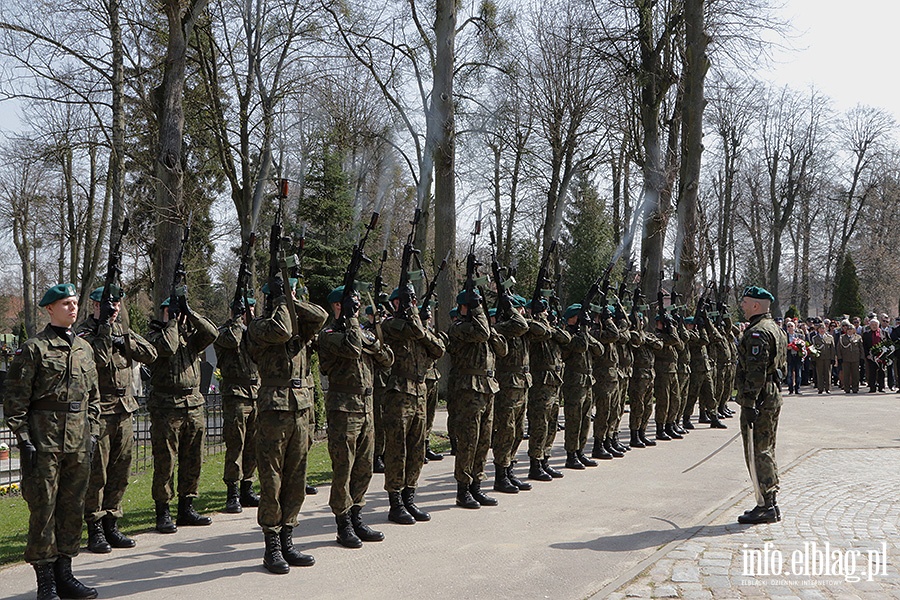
x=431 y=401
x=542 y=419
x=701 y=390
x=282 y=448
x=403 y=419
x=176 y=434
x=683 y=381
x=509 y=424
x=606 y=401
x=615 y=418
x=378 y=416
x=110 y=468
x=577 y=406
x=239 y=428
x=451 y=417
x=351 y=445
x=665 y=392
x=59 y=480
x=640 y=396
x=474 y=422
x=724 y=383
x=763 y=432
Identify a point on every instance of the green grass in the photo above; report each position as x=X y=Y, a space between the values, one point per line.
x=138 y=504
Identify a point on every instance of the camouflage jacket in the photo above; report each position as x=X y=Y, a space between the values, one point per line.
x=52 y=394
x=762 y=362
x=175 y=374
x=684 y=354
x=434 y=373
x=699 y=354
x=349 y=358
x=666 y=354
x=282 y=362
x=720 y=354
x=577 y=355
x=605 y=365
x=473 y=349
x=240 y=377
x=514 y=369
x=415 y=350
x=645 y=353
x=114 y=362
x=545 y=344
x=628 y=341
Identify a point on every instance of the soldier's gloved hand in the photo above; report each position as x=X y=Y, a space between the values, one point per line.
x=350 y=306
x=174 y=308
x=182 y=300
x=425 y=314
x=237 y=308
x=28 y=455
x=118 y=342
x=106 y=311
x=276 y=286
x=750 y=413
x=474 y=301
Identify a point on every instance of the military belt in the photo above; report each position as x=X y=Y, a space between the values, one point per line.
x=580 y=371
x=476 y=372
x=246 y=382
x=521 y=371
x=49 y=405
x=291 y=383
x=409 y=376
x=117 y=391
x=178 y=392
x=349 y=389
x=556 y=368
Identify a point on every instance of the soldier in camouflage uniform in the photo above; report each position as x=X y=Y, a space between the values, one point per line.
x=177 y=410
x=576 y=387
x=415 y=350
x=665 y=382
x=688 y=336
x=473 y=348
x=701 y=387
x=52 y=406
x=628 y=341
x=240 y=388
x=725 y=367
x=348 y=356
x=640 y=390
x=605 y=369
x=116 y=349
x=545 y=343
x=431 y=378
x=514 y=379
x=762 y=361
x=284 y=409
x=379 y=391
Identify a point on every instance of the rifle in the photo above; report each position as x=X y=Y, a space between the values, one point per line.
x=537 y=305
x=554 y=294
x=405 y=263
x=637 y=298
x=356 y=259
x=432 y=285
x=503 y=285
x=660 y=302
x=113 y=267
x=601 y=287
x=673 y=303
x=623 y=287
x=378 y=286
x=472 y=267
x=179 y=277
x=279 y=262
x=240 y=303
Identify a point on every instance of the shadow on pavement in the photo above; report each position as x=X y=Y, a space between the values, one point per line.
x=646 y=539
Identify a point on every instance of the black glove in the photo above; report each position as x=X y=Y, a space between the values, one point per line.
x=106 y=312
x=118 y=342
x=350 y=306
x=276 y=286
x=174 y=308
x=425 y=314
x=28 y=455
x=93 y=448
x=749 y=413
x=237 y=309
x=474 y=301
x=182 y=300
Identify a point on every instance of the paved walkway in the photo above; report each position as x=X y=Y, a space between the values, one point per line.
x=636 y=526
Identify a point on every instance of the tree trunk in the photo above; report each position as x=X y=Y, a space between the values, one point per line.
x=117 y=155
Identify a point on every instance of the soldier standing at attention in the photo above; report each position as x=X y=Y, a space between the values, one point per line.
x=116 y=348
x=762 y=360
x=284 y=422
x=52 y=406
x=628 y=341
x=431 y=378
x=348 y=356
x=605 y=393
x=683 y=408
x=576 y=388
x=177 y=415
x=665 y=382
x=240 y=388
x=701 y=387
x=415 y=350
x=640 y=391
x=473 y=348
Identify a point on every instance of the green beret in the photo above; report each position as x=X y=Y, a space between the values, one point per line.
x=454 y=312
x=370 y=310
x=689 y=320
x=293 y=281
x=57 y=292
x=758 y=293
x=395 y=295
x=572 y=311
x=461 y=296
x=251 y=301
x=115 y=293
x=336 y=294
x=165 y=302
x=518 y=300
x=492 y=312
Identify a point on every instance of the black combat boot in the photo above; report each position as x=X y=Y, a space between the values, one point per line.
x=378 y=464
x=670 y=431
x=408 y=495
x=769 y=501
x=686 y=422
x=398 y=513
x=273 y=559
x=46 y=582
x=480 y=497
x=115 y=537
x=502 y=483
x=97 y=539
x=537 y=472
x=522 y=485
x=572 y=461
x=232 y=498
x=661 y=435
x=294 y=557
x=311 y=490
x=164 y=522
x=248 y=496
x=715 y=423
x=188 y=516
x=554 y=473
x=585 y=460
x=642 y=434
x=599 y=451
x=429 y=454
x=363 y=531
x=66 y=584
x=464 y=497
x=607 y=443
x=679 y=429
x=619 y=445
x=346 y=537
x=452 y=446
x=704 y=416
x=635 y=441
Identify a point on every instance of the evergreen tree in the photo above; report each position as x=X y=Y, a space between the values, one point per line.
x=588 y=246
x=847 y=299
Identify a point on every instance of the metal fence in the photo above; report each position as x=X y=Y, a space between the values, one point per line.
x=143 y=456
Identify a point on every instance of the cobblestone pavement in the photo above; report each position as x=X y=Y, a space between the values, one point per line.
x=845 y=498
